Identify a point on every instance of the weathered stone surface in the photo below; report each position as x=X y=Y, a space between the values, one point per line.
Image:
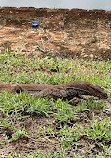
x=65 y=33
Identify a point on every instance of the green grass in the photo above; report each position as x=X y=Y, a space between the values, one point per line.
x=67 y=126
x=17 y=68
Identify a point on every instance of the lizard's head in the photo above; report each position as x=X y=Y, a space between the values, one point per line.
x=97 y=91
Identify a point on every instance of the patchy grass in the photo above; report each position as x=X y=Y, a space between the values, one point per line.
x=17 y=68
x=36 y=127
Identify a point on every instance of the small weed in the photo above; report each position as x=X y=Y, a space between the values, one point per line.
x=93 y=104
x=70 y=136
x=56 y=154
x=65 y=111
x=99 y=130
x=5 y=125
x=18 y=134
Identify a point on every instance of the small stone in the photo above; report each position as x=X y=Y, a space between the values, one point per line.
x=97 y=111
x=85 y=55
x=91 y=55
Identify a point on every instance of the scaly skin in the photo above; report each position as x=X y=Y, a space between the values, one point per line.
x=64 y=91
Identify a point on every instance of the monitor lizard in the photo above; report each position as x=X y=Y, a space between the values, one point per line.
x=63 y=91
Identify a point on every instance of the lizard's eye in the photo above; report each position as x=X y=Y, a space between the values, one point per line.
x=18 y=90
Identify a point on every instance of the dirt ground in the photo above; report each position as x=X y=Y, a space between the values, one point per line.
x=45 y=142
x=27 y=144
x=61 y=32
